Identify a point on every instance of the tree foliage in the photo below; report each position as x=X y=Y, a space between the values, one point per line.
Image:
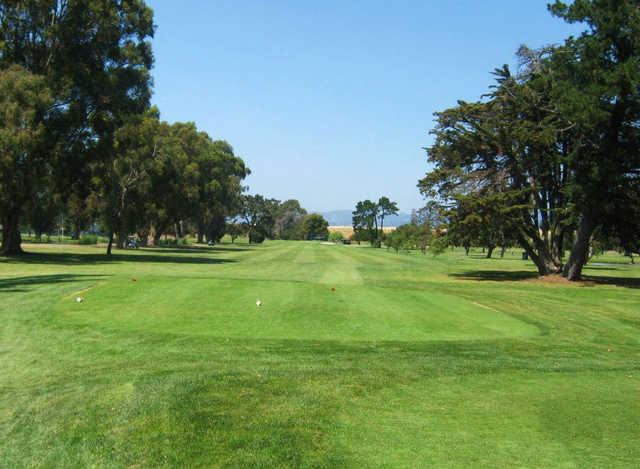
x=94 y=59
x=368 y=216
x=288 y=220
x=24 y=107
x=315 y=226
x=550 y=144
x=258 y=214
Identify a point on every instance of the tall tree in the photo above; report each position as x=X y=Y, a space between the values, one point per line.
x=514 y=147
x=386 y=207
x=24 y=105
x=258 y=215
x=95 y=59
x=221 y=173
x=365 y=220
x=43 y=211
x=600 y=97
x=124 y=181
x=289 y=218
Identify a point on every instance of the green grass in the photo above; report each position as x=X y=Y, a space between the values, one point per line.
x=411 y=362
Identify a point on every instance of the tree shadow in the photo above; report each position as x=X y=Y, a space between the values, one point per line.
x=72 y=258
x=495 y=257
x=495 y=275
x=17 y=284
x=190 y=250
x=518 y=275
x=627 y=282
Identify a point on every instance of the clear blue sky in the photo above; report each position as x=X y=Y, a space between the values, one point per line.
x=331 y=102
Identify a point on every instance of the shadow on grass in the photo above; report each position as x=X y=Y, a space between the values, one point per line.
x=17 y=284
x=626 y=282
x=495 y=258
x=71 y=258
x=518 y=275
x=191 y=250
x=607 y=267
x=496 y=275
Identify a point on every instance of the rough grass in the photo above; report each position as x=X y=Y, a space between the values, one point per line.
x=411 y=362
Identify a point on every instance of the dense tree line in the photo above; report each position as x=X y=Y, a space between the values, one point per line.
x=261 y=218
x=78 y=136
x=549 y=158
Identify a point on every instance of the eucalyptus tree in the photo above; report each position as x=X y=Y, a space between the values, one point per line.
x=95 y=58
x=24 y=105
x=122 y=183
x=221 y=174
x=43 y=211
x=288 y=220
x=258 y=214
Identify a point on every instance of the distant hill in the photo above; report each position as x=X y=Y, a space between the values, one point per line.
x=344 y=218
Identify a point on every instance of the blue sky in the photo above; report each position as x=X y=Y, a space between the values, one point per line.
x=331 y=102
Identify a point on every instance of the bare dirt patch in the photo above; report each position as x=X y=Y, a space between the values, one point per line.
x=559 y=279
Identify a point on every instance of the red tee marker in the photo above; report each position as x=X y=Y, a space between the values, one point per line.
x=333 y=289
x=133 y=279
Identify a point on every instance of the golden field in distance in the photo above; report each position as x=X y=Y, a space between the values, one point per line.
x=347 y=231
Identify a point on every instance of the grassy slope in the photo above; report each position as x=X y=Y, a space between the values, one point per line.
x=411 y=362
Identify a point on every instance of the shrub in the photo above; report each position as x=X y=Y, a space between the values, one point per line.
x=88 y=239
x=256 y=237
x=335 y=237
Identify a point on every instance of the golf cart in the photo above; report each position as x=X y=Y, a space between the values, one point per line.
x=132 y=243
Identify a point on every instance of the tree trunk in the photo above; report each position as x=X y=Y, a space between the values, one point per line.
x=580 y=250
x=201 y=231
x=466 y=249
x=502 y=250
x=76 y=231
x=144 y=238
x=110 y=243
x=156 y=238
x=490 y=249
x=540 y=255
x=120 y=241
x=11 y=238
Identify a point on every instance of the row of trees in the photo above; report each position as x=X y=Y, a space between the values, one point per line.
x=78 y=136
x=260 y=218
x=549 y=158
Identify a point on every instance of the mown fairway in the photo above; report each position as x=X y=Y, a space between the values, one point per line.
x=410 y=362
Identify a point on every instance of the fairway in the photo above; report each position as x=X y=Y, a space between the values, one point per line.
x=357 y=358
x=301 y=305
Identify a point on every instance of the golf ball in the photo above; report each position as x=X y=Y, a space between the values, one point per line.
x=79 y=300
x=258 y=303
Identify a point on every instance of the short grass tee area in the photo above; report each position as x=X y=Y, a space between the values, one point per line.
x=356 y=358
